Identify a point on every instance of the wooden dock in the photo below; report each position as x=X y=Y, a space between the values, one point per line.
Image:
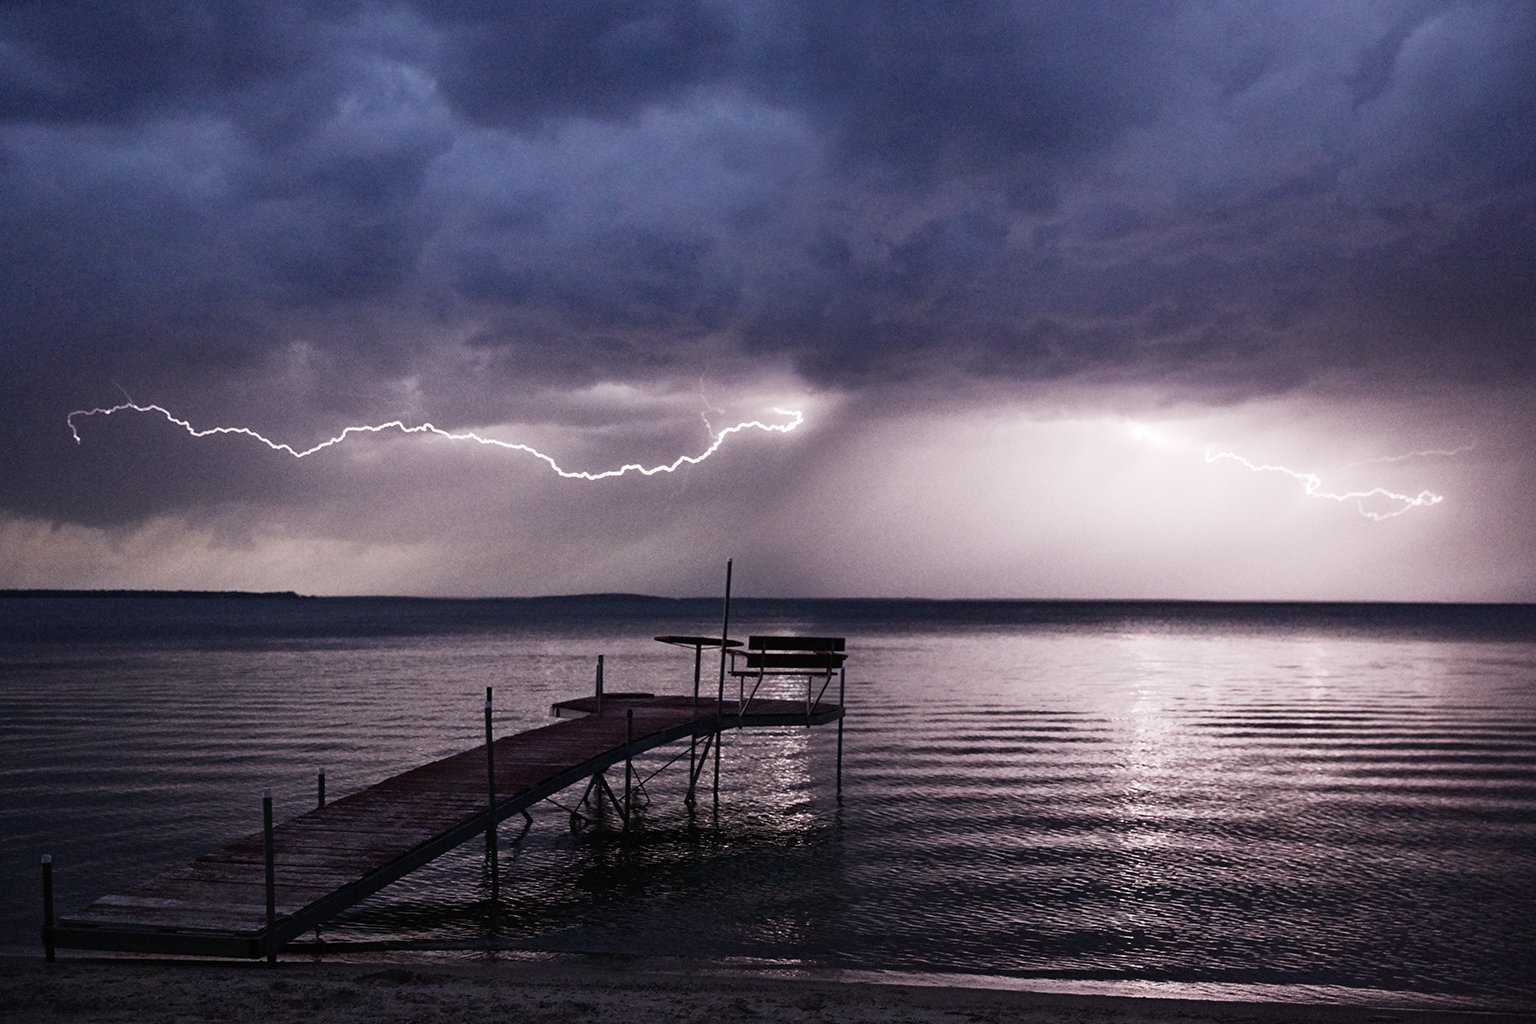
x=244 y=901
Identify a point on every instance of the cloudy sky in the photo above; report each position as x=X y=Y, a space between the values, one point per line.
x=1026 y=269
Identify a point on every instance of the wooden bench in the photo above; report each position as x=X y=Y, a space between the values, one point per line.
x=807 y=657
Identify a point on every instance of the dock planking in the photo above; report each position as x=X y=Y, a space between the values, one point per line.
x=332 y=857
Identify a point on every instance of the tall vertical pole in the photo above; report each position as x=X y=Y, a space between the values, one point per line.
x=725 y=633
x=599 y=684
x=270 y=856
x=48 y=907
x=320 y=788
x=490 y=803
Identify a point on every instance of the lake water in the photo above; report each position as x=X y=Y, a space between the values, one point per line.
x=1318 y=802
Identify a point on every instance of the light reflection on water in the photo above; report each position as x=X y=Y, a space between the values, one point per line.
x=1179 y=797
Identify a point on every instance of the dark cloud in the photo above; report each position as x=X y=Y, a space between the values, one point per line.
x=112 y=62
x=537 y=61
x=1374 y=68
x=912 y=93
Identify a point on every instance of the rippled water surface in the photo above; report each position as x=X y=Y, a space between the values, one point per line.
x=1327 y=802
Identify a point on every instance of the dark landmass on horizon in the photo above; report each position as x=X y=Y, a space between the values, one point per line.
x=61 y=592
x=625 y=596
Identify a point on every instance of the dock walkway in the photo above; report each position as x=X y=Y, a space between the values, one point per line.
x=336 y=855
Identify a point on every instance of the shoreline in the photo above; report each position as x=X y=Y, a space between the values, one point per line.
x=413 y=987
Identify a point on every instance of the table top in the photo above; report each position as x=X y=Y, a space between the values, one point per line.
x=698 y=641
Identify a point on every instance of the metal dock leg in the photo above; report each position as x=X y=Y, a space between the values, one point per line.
x=269 y=855
x=48 y=907
x=490 y=806
x=629 y=765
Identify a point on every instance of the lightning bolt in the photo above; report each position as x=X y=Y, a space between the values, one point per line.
x=709 y=407
x=1313 y=485
x=1428 y=453
x=1395 y=503
x=795 y=419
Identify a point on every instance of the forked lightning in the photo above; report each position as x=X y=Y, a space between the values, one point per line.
x=1313 y=484
x=794 y=419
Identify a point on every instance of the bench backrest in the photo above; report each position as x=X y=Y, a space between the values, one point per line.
x=795 y=643
x=790 y=654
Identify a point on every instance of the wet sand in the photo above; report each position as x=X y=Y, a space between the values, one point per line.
x=99 y=989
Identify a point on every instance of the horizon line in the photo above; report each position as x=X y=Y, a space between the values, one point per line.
x=183 y=592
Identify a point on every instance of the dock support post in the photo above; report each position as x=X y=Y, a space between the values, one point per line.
x=719 y=734
x=270 y=856
x=629 y=765
x=48 y=907
x=490 y=803
x=599 y=684
x=725 y=632
x=320 y=788
x=693 y=741
x=842 y=677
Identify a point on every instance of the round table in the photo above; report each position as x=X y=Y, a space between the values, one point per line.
x=698 y=643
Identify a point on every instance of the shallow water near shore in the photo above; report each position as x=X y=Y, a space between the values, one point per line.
x=1292 y=801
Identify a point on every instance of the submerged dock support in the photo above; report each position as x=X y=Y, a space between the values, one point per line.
x=841 y=698
x=490 y=805
x=629 y=766
x=269 y=937
x=693 y=741
x=725 y=635
x=48 y=907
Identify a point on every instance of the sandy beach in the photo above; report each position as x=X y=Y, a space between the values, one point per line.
x=91 y=989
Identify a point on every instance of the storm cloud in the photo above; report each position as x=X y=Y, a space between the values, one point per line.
x=591 y=220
